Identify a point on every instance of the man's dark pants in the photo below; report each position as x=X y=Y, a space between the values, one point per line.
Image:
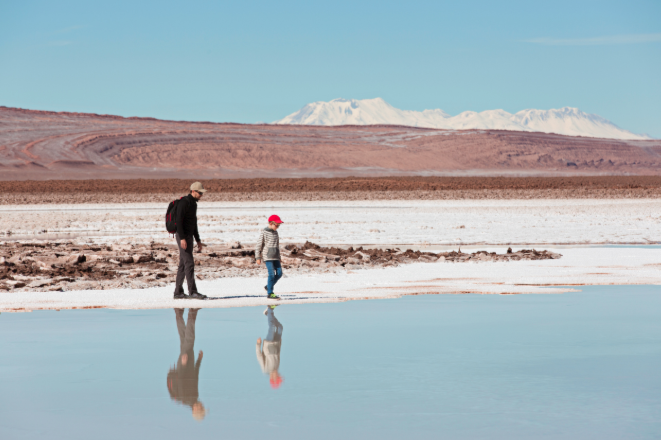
x=186 y=330
x=186 y=267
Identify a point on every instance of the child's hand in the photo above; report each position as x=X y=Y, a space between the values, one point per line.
x=258 y=261
x=259 y=341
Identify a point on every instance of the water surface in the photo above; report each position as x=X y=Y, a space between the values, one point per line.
x=579 y=365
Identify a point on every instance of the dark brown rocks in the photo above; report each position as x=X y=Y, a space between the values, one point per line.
x=62 y=266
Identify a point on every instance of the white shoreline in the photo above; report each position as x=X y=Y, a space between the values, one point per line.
x=578 y=266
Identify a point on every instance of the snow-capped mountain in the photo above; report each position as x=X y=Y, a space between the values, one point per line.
x=567 y=120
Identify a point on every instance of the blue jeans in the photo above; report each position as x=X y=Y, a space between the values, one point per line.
x=275 y=328
x=275 y=273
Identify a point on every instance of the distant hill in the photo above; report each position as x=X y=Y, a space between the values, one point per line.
x=49 y=145
x=567 y=120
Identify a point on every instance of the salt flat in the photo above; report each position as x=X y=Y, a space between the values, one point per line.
x=491 y=224
x=379 y=222
x=578 y=266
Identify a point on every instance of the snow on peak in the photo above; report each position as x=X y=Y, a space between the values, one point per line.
x=361 y=112
x=567 y=120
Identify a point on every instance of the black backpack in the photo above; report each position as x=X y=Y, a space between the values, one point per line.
x=170 y=223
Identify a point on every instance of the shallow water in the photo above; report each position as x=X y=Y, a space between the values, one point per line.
x=578 y=365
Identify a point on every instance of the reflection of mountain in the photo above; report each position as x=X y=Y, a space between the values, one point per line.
x=183 y=378
x=47 y=145
x=568 y=121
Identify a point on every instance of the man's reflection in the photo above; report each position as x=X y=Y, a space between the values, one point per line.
x=268 y=356
x=183 y=378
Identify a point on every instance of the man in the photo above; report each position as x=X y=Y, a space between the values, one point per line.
x=186 y=220
x=184 y=377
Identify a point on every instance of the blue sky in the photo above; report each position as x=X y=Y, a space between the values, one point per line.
x=259 y=61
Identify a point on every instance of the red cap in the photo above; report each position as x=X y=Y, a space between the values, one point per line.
x=276 y=382
x=275 y=218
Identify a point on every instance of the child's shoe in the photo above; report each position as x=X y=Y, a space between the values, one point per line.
x=266 y=311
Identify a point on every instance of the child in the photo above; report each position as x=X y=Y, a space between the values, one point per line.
x=268 y=356
x=268 y=249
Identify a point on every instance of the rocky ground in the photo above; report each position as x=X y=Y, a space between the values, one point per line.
x=313 y=189
x=59 y=266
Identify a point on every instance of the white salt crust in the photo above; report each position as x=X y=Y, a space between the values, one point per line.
x=379 y=222
x=578 y=266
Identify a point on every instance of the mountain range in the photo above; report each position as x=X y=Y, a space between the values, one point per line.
x=45 y=145
x=566 y=121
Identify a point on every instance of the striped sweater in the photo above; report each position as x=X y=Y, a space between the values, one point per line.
x=268 y=245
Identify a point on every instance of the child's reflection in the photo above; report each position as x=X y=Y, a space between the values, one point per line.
x=268 y=356
x=183 y=378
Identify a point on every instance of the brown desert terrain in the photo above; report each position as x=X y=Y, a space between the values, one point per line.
x=39 y=145
x=337 y=188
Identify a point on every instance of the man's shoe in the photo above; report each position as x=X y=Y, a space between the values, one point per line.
x=266 y=290
x=181 y=295
x=197 y=295
x=273 y=296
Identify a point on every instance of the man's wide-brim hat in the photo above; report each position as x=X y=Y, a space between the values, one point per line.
x=197 y=186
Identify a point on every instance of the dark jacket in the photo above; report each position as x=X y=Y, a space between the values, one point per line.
x=183 y=380
x=186 y=218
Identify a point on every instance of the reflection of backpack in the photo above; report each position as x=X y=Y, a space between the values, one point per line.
x=170 y=223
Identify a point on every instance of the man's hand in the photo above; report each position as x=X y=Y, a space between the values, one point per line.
x=183 y=244
x=199 y=356
x=200 y=246
x=258 y=261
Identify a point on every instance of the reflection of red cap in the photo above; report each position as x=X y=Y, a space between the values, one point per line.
x=275 y=218
x=276 y=382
